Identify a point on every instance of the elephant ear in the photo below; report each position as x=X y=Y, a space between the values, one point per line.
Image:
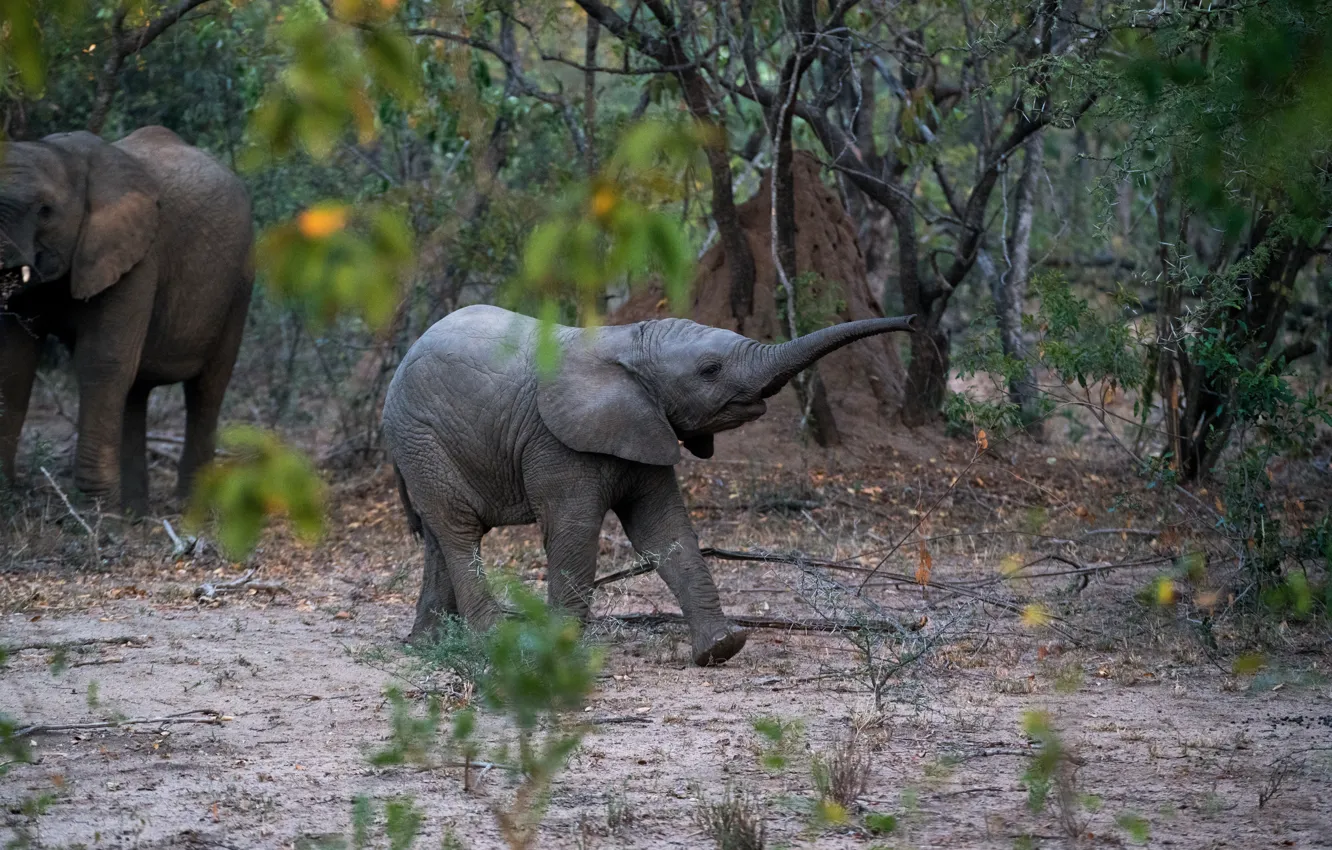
x=120 y=218
x=594 y=403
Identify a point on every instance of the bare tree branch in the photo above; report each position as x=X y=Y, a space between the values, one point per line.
x=125 y=44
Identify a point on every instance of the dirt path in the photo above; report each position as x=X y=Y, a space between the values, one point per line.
x=1178 y=746
x=1168 y=743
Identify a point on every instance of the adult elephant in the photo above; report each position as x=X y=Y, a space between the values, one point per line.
x=481 y=439
x=136 y=255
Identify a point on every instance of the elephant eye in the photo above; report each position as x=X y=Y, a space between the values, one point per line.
x=44 y=212
x=710 y=370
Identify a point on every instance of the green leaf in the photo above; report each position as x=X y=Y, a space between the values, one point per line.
x=549 y=350
x=1136 y=826
x=880 y=824
x=403 y=822
x=332 y=260
x=1248 y=664
x=263 y=478
x=363 y=815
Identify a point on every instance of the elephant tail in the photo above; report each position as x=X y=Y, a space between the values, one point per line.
x=413 y=518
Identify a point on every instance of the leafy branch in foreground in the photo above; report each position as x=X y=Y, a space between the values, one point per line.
x=262 y=478
x=608 y=228
x=537 y=675
x=332 y=259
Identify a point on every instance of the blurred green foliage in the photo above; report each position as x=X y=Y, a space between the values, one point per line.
x=334 y=72
x=608 y=228
x=261 y=478
x=780 y=741
x=536 y=672
x=333 y=260
x=1242 y=101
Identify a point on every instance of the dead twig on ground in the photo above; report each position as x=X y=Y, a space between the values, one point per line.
x=208 y=591
x=180 y=547
x=92 y=535
x=98 y=661
x=801 y=560
x=777 y=624
x=207 y=716
x=71 y=644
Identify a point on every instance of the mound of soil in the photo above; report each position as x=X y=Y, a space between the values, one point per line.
x=865 y=380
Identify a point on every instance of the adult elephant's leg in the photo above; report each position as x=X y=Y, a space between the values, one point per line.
x=19 y=351
x=108 y=343
x=437 y=598
x=657 y=524
x=134 y=451
x=203 y=399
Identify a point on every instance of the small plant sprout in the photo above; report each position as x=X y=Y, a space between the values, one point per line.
x=780 y=741
x=1052 y=768
x=733 y=823
x=841 y=777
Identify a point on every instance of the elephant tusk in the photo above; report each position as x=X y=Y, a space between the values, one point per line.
x=26 y=273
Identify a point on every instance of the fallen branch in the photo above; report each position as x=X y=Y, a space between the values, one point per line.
x=209 y=717
x=180 y=547
x=208 y=591
x=620 y=718
x=71 y=644
x=636 y=570
x=98 y=662
x=92 y=535
x=776 y=624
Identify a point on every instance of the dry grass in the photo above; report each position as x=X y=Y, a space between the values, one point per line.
x=734 y=823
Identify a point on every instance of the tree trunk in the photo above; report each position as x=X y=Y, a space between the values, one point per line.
x=809 y=386
x=590 y=92
x=1010 y=288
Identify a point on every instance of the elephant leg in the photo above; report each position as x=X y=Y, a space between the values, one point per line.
x=437 y=598
x=109 y=339
x=203 y=399
x=657 y=523
x=572 y=538
x=203 y=405
x=19 y=351
x=134 y=451
x=457 y=534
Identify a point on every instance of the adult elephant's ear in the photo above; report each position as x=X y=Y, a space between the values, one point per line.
x=594 y=403
x=120 y=217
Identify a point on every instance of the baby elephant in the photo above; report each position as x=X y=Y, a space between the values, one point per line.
x=481 y=437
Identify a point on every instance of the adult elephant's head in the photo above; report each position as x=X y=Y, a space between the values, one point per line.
x=637 y=391
x=74 y=212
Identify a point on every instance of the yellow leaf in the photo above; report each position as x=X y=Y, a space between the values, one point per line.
x=1248 y=664
x=1035 y=615
x=322 y=221
x=1165 y=592
x=1010 y=565
x=924 y=566
x=982 y=441
x=603 y=201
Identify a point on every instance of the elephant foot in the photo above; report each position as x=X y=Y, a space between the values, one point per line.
x=716 y=645
x=425 y=629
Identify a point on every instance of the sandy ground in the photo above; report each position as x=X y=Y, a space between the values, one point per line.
x=1158 y=726
x=1186 y=748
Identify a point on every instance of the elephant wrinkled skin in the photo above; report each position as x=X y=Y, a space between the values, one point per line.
x=481 y=438
x=136 y=255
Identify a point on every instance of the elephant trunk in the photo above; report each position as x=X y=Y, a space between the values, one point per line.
x=778 y=364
